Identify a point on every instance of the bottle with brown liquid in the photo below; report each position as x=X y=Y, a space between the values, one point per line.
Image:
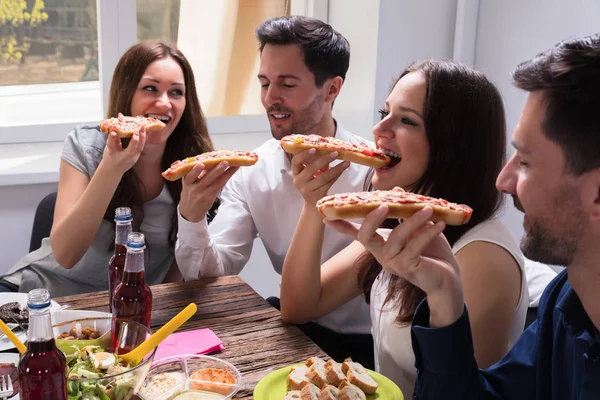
x=43 y=367
x=132 y=299
x=116 y=264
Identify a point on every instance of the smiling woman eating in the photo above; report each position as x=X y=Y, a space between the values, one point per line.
x=443 y=126
x=100 y=172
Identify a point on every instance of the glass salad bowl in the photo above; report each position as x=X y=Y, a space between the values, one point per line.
x=95 y=371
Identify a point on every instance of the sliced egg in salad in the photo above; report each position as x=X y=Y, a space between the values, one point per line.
x=102 y=359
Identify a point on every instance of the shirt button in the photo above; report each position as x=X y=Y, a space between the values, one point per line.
x=415 y=397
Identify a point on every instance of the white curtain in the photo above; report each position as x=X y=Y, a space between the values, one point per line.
x=218 y=39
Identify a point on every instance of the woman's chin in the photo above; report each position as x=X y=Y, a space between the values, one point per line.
x=380 y=184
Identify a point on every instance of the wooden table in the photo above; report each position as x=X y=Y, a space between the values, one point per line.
x=256 y=340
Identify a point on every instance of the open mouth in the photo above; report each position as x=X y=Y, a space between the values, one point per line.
x=280 y=116
x=162 y=118
x=395 y=158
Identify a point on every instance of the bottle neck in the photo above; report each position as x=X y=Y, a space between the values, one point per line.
x=134 y=261
x=40 y=325
x=121 y=231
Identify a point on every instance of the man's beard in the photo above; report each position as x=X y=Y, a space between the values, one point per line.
x=558 y=244
x=539 y=245
x=305 y=122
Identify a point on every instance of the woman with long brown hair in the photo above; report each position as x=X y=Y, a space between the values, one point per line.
x=443 y=125
x=99 y=173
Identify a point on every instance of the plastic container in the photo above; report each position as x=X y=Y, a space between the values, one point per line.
x=171 y=377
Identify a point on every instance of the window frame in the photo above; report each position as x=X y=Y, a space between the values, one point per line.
x=117 y=31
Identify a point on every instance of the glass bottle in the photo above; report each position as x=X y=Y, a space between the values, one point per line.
x=43 y=367
x=116 y=264
x=132 y=299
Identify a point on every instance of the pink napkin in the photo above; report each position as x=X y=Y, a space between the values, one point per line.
x=199 y=341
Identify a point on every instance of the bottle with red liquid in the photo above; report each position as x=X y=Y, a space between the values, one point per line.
x=132 y=299
x=43 y=367
x=116 y=264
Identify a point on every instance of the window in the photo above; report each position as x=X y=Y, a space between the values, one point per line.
x=57 y=57
x=225 y=69
x=49 y=67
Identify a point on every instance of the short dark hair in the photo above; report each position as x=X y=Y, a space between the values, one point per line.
x=326 y=52
x=465 y=125
x=568 y=75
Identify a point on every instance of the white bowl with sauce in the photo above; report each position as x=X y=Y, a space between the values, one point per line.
x=196 y=395
x=175 y=378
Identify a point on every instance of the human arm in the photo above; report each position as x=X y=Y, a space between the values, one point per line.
x=309 y=290
x=224 y=247
x=441 y=334
x=173 y=274
x=447 y=368
x=491 y=281
x=82 y=201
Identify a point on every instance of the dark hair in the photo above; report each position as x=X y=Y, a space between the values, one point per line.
x=326 y=52
x=466 y=129
x=189 y=137
x=569 y=77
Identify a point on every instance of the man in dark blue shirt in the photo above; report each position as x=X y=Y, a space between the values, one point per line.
x=554 y=178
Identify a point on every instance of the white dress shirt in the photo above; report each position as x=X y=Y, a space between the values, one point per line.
x=262 y=201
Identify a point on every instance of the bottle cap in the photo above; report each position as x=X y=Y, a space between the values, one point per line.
x=38 y=299
x=136 y=240
x=123 y=214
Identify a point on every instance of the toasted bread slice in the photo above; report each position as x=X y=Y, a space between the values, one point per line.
x=309 y=392
x=316 y=375
x=314 y=360
x=349 y=391
x=329 y=393
x=293 y=395
x=358 y=375
x=334 y=373
x=297 y=379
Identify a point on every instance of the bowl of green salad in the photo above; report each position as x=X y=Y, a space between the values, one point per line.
x=95 y=371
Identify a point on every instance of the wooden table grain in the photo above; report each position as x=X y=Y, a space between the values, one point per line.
x=256 y=340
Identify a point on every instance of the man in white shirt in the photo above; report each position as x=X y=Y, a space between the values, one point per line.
x=302 y=68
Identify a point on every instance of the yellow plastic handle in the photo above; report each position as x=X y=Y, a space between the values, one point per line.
x=137 y=355
x=13 y=338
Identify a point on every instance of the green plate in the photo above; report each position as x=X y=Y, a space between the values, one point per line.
x=272 y=386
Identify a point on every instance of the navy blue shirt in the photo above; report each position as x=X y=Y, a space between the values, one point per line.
x=557 y=357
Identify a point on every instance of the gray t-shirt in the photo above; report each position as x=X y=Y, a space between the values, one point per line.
x=83 y=150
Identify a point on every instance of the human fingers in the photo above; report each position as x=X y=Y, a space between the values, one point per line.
x=372 y=222
x=210 y=175
x=345 y=227
x=222 y=179
x=113 y=142
x=320 y=163
x=328 y=177
x=418 y=243
x=300 y=159
x=133 y=146
x=409 y=228
x=194 y=174
x=143 y=135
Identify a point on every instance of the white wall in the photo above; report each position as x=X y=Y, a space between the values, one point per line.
x=409 y=31
x=354 y=107
x=513 y=31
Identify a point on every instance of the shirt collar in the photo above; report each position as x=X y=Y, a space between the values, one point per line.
x=575 y=318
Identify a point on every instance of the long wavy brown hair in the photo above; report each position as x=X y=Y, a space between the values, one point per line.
x=190 y=136
x=466 y=129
